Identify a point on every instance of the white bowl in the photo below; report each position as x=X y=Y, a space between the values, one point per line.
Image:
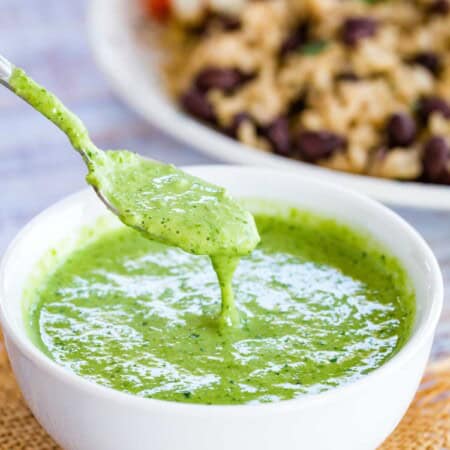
x=131 y=64
x=81 y=415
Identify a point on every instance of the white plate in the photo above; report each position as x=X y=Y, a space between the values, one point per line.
x=130 y=63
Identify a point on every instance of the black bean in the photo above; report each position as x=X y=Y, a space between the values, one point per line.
x=229 y=23
x=226 y=80
x=347 y=76
x=297 y=105
x=430 y=105
x=401 y=130
x=356 y=28
x=439 y=7
x=236 y=122
x=277 y=133
x=436 y=157
x=214 y=21
x=429 y=60
x=295 y=39
x=315 y=145
x=199 y=29
x=196 y=103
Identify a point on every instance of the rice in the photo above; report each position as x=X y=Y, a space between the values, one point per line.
x=355 y=85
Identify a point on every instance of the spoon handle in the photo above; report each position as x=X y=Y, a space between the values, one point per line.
x=6 y=70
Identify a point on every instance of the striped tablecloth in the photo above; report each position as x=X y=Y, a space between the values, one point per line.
x=37 y=166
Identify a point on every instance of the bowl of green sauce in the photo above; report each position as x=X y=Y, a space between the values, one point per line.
x=116 y=344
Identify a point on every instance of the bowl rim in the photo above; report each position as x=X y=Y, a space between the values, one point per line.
x=417 y=338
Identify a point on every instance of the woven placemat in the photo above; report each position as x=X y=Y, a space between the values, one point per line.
x=425 y=426
x=19 y=430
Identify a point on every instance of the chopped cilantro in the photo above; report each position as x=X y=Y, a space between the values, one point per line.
x=313 y=47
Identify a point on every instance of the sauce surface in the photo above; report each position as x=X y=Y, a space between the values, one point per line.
x=320 y=306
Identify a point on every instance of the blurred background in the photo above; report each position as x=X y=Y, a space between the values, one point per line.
x=37 y=166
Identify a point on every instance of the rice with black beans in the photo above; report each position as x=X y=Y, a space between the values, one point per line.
x=356 y=85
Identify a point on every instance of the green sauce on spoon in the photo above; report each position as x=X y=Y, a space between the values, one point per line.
x=164 y=203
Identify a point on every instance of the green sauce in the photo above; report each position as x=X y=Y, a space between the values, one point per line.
x=164 y=203
x=320 y=306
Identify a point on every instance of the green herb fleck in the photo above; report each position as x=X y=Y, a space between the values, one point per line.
x=313 y=47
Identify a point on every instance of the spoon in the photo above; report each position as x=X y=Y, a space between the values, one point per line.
x=161 y=201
